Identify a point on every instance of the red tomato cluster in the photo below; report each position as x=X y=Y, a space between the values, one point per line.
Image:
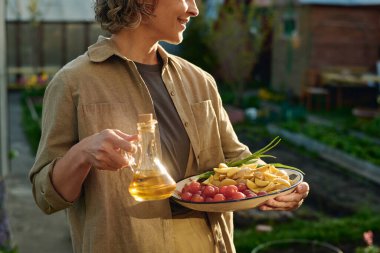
x=197 y=192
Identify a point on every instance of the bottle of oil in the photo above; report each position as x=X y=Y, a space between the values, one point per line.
x=151 y=180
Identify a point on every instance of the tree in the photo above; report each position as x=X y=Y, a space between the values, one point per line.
x=237 y=38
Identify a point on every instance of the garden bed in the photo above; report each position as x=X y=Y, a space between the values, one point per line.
x=354 y=164
x=344 y=233
x=340 y=202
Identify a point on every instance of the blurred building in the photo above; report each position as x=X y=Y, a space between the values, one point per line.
x=44 y=35
x=313 y=36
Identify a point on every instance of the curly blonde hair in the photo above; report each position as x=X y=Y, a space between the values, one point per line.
x=114 y=15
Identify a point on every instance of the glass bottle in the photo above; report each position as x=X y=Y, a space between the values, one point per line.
x=151 y=180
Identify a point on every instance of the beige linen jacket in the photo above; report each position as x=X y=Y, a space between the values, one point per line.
x=102 y=89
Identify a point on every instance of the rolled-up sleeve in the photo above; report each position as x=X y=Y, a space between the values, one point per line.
x=44 y=192
x=58 y=134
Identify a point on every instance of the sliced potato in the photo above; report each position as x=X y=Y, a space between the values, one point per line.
x=251 y=166
x=222 y=165
x=232 y=171
x=273 y=169
x=222 y=170
x=259 y=175
x=282 y=174
x=241 y=173
x=228 y=181
x=263 y=168
x=222 y=176
x=240 y=180
x=251 y=185
x=216 y=176
x=261 y=183
x=249 y=176
x=282 y=181
x=207 y=181
x=269 y=176
x=270 y=187
x=280 y=187
x=216 y=183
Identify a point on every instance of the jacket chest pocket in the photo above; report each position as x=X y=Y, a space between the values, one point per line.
x=211 y=153
x=93 y=118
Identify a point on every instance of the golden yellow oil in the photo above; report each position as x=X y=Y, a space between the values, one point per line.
x=149 y=185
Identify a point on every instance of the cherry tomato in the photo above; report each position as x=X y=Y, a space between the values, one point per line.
x=209 y=199
x=249 y=193
x=209 y=191
x=219 y=197
x=231 y=189
x=223 y=190
x=194 y=187
x=262 y=193
x=197 y=198
x=185 y=189
x=237 y=195
x=186 y=196
x=241 y=187
x=216 y=189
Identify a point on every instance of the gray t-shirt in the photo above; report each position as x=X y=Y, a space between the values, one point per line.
x=175 y=143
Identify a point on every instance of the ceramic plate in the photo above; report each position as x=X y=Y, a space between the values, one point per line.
x=234 y=205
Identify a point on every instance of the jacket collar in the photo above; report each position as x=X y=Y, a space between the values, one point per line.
x=104 y=48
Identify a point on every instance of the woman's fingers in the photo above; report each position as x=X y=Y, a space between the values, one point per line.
x=107 y=149
x=290 y=201
x=125 y=141
x=292 y=197
x=280 y=206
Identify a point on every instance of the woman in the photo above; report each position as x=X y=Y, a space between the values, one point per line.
x=90 y=114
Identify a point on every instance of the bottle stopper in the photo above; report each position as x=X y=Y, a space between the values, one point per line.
x=145 y=118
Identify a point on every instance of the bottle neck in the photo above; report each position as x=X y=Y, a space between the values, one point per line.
x=148 y=145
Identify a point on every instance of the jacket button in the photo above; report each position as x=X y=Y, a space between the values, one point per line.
x=172 y=93
x=186 y=124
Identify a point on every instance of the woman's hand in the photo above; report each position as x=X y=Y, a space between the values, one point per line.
x=288 y=202
x=103 y=151
x=109 y=149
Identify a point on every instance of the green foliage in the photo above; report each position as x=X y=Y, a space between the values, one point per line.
x=237 y=38
x=369 y=249
x=31 y=126
x=250 y=101
x=194 y=47
x=230 y=46
x=371 y=127
x=33 y=92
x=345 y=119
x=332 y=230
x=338 y=138
x=13 y=153
x=252 y=132
x=7 y=250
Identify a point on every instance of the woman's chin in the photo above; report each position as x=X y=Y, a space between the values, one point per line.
x=175 y=41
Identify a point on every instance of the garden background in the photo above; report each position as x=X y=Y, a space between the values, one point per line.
x=305 y=70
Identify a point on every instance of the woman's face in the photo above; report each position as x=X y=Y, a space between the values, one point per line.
x=169 y=20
